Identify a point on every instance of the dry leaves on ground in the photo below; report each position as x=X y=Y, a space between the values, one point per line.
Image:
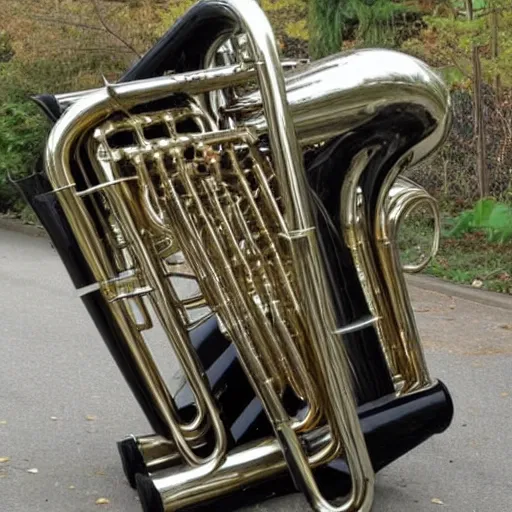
x=102 y=501
x=437 y=501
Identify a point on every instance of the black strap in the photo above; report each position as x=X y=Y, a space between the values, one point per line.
x=49 y=105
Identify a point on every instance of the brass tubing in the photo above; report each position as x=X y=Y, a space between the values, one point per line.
x=60 y=144
x=410 y=358
x=120 y=196
x=310 y=273
x=399 y=338
x=413 y=366
x=398 y=208
x=149 y=454
x=306 y=117
x=180 y=487
x=355 y=230
x=157 y=453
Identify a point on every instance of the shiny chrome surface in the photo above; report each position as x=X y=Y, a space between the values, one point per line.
x=65 y=100
x=400 y=340
x=190 y=191
x=255 y=462
x=119 y=281
x=331 y=96
x=404 y=197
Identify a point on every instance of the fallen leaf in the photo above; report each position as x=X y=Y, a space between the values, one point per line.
x=4 y=459
x=102 y=501
x=53 y=418
x=99 y=472
x=504 y=394
x=477 y=283
x=507 y=327
x=3 y=422
x=437 y=501
x=33 y=471
x=71 y=486
x=90 y=417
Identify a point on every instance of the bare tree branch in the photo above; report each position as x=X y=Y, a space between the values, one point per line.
x=456 y=64
x=60 y=21
x=100 y=49
x=110 y=31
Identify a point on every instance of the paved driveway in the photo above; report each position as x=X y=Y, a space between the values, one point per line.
x=63 y=403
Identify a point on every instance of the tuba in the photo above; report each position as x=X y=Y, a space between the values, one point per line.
x=245 y=210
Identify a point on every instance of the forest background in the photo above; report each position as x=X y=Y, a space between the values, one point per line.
x=63 y=45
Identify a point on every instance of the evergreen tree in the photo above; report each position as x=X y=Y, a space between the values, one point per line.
x=369 y=22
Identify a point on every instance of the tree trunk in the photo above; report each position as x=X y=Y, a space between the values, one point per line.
x=478 y=114
x=494 y=52
x=481 y=149
x=469 y=9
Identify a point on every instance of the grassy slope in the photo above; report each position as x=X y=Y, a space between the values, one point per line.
x=469 y=259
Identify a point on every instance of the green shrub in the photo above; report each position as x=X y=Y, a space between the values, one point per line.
x=6 y=49
x=22 y=135
x=489 y=216
x=22 y=124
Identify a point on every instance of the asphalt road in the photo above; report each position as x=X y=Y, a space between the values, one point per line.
x=63 y=403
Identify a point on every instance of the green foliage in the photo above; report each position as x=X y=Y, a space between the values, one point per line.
x=461 y=259
x=22 y=135
x=376 y=21
x=327 y=20
x=448 y=40
x=6 y=49
x=372 y=22
x=488 y=215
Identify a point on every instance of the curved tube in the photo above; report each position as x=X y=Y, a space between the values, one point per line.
x=297 y=111
x=404 y=197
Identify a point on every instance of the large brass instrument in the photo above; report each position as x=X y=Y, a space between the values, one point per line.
x=200 y=177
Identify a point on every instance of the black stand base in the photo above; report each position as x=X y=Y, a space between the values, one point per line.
x=391 y=426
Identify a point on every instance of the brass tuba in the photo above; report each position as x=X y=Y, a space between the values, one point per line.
x=246 y=209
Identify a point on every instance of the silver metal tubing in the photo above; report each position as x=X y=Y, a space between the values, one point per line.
x=180 y=487
x=66 y=99
x=314 y=104
x=332 y=96
x=193 y=82
x=404 y=197
x=312 y=280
